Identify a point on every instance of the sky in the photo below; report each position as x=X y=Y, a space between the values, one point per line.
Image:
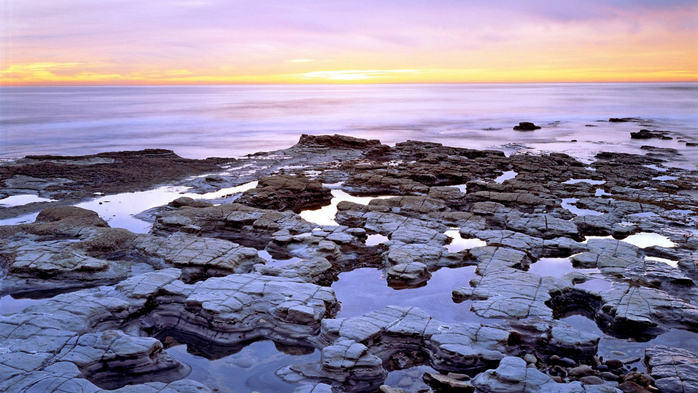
x=108 y=42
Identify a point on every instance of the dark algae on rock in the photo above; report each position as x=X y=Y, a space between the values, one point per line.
x=565 y=276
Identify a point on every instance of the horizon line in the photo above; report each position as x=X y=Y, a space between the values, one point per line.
x=334 y=83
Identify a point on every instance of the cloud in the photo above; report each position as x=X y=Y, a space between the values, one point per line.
x=352 y=75
x=234 y=38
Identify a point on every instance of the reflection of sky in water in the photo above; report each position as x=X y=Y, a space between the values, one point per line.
x=569 y=204
x=373 y=240
x=410 y=380
x=590 y=181
x=459 y=244
x=508 y=175
x=615 y=348
x=665 y=178
x=326 y=214
x=10 y=305
x=19 y=200
x=461 y=187
x=270 y=261
x=23 y=219
x=251 y=369
x=366 y=289
x=641 y=240
x=556 y=267
x=648 y=239
x=595 y=285
x=663 y=260
x=118 y=210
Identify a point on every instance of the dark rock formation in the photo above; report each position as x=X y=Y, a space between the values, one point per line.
x=647 y=134
x=526 y=126
x=287 y=193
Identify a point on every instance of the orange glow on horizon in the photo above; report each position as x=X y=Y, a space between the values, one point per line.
x=40 y=74
x=44 y=42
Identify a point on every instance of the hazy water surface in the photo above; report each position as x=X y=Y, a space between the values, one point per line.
x=202 y=121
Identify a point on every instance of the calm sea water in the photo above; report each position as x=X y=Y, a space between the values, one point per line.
x=203 y=121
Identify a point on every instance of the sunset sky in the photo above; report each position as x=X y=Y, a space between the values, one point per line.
x=51 y=42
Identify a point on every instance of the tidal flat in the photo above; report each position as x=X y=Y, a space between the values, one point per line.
x=343 y=264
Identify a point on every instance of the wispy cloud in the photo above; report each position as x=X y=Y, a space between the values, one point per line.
x=353 y=75
x=202 y=41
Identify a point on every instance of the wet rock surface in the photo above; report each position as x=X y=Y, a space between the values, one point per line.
x=287 y=193
x=674 y=369
x=219 y=274
x=79 y=177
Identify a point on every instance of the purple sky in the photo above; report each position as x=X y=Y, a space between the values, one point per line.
x=205 y=41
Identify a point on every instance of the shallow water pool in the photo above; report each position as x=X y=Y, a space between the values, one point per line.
x=366 y=289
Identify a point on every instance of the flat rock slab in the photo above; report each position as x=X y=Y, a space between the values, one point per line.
x=674 y=369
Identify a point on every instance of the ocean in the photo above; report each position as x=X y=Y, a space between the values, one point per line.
x=230 y=121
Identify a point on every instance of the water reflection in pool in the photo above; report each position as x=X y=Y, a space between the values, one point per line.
x=664 y=260
x=366 y=289
x=641 y=240
x=459 y=244
x=569 y=204
x=461 y=187
x=11 y=305
x=556 y=267
x=617 y=348
x=508 y=175
x=409 y=380
x=648 y=239
x=251 y=369
x=271 y=261
x=376 y=239
x=19 y=200
x=590 y=181
x=326 y=215
x=119 y=210
x=595 y=285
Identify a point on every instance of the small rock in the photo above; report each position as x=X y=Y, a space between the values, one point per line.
x=567 y=362
x=530 y=358
x=614 y=364
x=631 y=387
x=181 y=201
x=388 y=389
x=581 y=371
x=639 y=378
x=609 y=376
x=459 y=376
x=446 y=383
x=591 y=380
x=405 y=382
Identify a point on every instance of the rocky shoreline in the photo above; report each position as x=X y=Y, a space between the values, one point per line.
x=614 y=241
